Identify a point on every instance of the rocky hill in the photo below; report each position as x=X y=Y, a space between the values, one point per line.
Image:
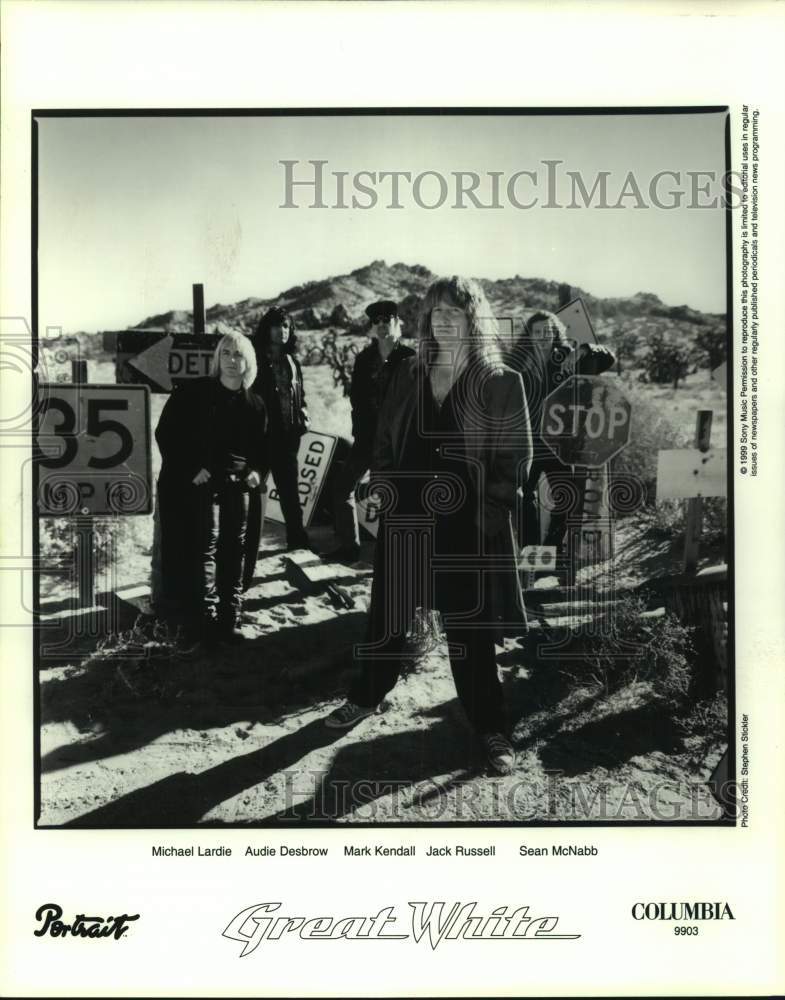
x=340 y=301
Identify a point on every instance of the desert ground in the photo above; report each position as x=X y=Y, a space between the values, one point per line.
x=143 y=732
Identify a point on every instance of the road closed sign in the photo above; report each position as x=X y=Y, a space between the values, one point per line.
x=313 y=460
x=586 y=421
x=93 y=450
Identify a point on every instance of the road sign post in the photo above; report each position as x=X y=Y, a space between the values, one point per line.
x=692 y=474
x=93 y=458
x=199 y=315
x=84 y=540
x=585 y=422
x=694 y=522
x=162 y=360
x=313 y=461
x=93 y=450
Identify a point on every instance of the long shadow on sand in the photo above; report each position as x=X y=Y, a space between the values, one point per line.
x=359 y=774
x=128 y=704
x=611 y=741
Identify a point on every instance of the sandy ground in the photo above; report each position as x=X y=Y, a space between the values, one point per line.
x=144 y=734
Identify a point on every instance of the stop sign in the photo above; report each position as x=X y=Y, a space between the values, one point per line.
x=586 y=421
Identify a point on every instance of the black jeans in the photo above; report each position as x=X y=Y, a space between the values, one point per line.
x=222 y=548
x=285 y=470
x=472 y=654
x=347 y=528
x=561 y=483
x=182 y=514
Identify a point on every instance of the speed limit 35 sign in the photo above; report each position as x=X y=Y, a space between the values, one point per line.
x=93 y=450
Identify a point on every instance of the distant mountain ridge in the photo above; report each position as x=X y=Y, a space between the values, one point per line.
x=340 y=302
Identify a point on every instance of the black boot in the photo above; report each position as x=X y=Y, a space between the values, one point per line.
x=229 y=630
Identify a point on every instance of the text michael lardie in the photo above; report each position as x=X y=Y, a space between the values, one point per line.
x=431 y=922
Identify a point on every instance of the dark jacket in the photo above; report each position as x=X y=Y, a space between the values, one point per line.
x=185 y=431
x=264 y=385
x=370 y=379
x=498 y=443
x=498 y=438
x=541 y=377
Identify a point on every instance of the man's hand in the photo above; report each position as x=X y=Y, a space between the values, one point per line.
x=253 y=479
x=306 y=419
x=201 y=477
x=594 y=359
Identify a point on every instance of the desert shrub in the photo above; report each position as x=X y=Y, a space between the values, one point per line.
x=707 y=719
x=625 y=344
x=666 y=360
x=631 y=648
x=115 y=540
x=651 y=432
x=713 y=342
x=669 y=517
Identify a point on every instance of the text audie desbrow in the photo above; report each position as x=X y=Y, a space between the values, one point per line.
x=374 y=850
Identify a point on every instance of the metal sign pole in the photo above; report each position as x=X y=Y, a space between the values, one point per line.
x=694 y=521
x=199 y=316
x=84 y=535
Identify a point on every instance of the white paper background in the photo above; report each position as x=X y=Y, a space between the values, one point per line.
x=174 y=55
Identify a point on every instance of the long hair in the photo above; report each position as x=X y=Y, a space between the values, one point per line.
x=275 y=317
x=484 y=348
x=244 y=345
x=538 y=356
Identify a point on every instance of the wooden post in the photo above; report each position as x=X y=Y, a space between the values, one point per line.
x=84 y=540
x=695 y=504
x=572 y=534
x=85 y=561
x=199 y=317
x=574 y=519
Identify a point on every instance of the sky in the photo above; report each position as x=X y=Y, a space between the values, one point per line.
x=133 y=211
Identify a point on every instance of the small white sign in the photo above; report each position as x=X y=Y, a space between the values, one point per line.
x=689 y=472
x=368 y=514
x=575 y=317
x=536 y=557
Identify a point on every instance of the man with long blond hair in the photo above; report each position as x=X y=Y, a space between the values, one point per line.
x=452 y=451
x=213 y=443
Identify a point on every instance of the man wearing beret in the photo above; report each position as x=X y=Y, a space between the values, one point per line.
x=373 y=369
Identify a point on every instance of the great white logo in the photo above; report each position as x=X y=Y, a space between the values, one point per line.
x=432 y=922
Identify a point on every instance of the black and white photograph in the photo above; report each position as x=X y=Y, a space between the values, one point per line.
x=391 y=434
x=382 y=467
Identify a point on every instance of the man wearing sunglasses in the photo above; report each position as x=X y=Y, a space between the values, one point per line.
x=373 y=369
